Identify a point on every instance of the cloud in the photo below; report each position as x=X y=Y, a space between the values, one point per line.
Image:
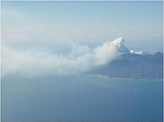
x=78 y=60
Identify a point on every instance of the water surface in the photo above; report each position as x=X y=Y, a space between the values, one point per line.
x=80 y=98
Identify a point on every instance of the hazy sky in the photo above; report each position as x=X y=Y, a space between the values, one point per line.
x=139 y=23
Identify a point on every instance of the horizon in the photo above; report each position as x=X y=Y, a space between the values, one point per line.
x=88 y=23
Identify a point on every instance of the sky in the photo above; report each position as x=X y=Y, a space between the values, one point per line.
x=46 y=23
x=56 y=37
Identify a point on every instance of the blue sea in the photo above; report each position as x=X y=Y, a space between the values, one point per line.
x=81 y=98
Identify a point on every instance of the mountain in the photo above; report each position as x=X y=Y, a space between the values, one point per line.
x=132 y=64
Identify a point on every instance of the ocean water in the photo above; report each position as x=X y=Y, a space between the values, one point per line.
x=81 y=98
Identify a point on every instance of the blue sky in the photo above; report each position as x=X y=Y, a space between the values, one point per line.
x=139 y=23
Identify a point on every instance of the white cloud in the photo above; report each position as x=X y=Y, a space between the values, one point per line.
x=36 y=62
x=136 y=52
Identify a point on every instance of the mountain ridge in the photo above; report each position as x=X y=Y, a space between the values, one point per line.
x=132 y=65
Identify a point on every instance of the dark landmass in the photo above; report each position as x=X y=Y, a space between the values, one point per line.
x=133 y=66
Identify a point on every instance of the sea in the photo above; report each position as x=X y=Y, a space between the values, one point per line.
x=81 y=98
